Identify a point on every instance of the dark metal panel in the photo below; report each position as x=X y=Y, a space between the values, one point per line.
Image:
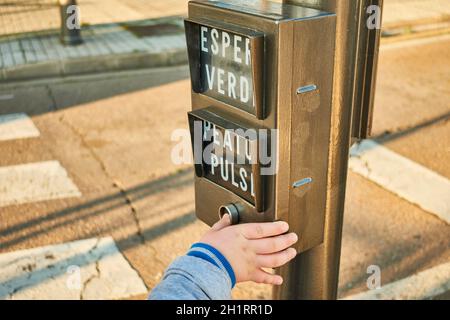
x=314 y=274
x=257 y=67
x=209 y=196
x=200 y=10
x=290 y=63
x=366 y=71
x=264 y=9
x=284 y=76
x=238 y=130
x=313 y=64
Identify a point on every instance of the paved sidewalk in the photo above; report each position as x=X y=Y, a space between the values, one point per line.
x=30 y=46
x=106 y=47
x=405 y=11
x=19 y=16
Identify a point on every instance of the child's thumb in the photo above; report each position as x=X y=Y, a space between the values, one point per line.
x=222 y=223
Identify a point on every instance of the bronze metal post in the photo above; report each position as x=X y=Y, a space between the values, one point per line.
x=70 y=35
x=314 y=274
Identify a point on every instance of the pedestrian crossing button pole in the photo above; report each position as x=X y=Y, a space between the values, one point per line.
x=278 y=91
x=70 y=33
x=261 y=97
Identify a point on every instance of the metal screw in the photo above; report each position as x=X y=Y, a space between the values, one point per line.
x=302 y=182
x=306 y=89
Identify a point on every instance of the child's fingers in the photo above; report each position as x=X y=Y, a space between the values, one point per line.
x=264 y=230
x=222 y=223
x=276 y=260
x=274 y=244
x=261 y=276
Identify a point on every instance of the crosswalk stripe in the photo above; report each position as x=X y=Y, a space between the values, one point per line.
x=402 y=176
x=35 y=182
x=88 y=269
x=6 y=97
x=424 y=285
x=17 y=126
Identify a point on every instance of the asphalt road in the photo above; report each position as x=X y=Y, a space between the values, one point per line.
x=112 y=134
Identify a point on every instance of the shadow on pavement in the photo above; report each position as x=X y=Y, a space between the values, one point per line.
x=389 y=136
x=42 y=98
x=99 y=207
x=86 y=210
x=401 y=260
x=38 y=276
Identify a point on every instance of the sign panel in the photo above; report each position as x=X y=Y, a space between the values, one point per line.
x=227 y=64
x=266 y=67
x=228 y=156
x=226 y=70
x=229 y=164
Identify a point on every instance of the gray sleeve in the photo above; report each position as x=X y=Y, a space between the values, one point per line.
x=192 y=278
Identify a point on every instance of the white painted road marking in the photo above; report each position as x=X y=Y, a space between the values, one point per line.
x=423 y=285
x=406 y=178
x=35 y=182
x=87 y=269
x=6 y=97
x=17 y=126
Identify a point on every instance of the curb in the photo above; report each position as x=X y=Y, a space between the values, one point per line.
x=415 y=36
x=433 y=283
x=392 y=32
x=96 y=64
x=411 y=27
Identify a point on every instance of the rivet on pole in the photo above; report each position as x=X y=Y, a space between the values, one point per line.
x=302 y=182
x=306 y=89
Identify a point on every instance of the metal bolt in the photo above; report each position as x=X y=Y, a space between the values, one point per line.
x=306 y=89
x=302 y=182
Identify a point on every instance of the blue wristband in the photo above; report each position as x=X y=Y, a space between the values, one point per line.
x=204 y=256
x=219 y=256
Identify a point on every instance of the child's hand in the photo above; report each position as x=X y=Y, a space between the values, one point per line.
x=253 y=246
